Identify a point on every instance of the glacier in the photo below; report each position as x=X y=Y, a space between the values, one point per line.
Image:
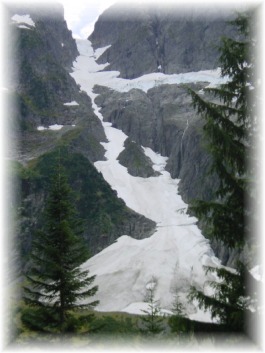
x=175 y=255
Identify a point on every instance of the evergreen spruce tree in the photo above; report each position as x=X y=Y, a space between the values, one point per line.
x=178 y=322
x=228 y=129
x=56 y=284
x=227 y=305
x=153 y=319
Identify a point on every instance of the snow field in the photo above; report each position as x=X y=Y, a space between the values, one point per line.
x=176 y=253
x=110 y=78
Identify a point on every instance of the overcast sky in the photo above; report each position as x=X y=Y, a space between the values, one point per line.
x=82 y=15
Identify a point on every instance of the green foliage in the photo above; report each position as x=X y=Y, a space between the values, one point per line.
x=101 y=212
x=178 y=307
x=226 y=129
x=56 y=284
x=94 y=199
x=184 y=326
x=41 y=93
x=40 y=320
x=152 y=321
x=227 y=304
x=23 y=173
x=135 y=160
x=116 y=326
x=81 y=323
x=29 y=40
x=69 y=136
x=180 y=325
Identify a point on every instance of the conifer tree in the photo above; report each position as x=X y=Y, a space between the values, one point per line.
x=228 y=125
x=153 y=319
x=56 y=283
x=228 y=129
x=227 y=305
x=178 y=322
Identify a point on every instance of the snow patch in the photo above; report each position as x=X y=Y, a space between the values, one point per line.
x=71 y=103
x=24 y=26
x=23 y=19
x=202 y=316
x=41 y=128
x=257 y=273
x=100 y=51
x=159 y=162
x=54 y=127
x=138 y=307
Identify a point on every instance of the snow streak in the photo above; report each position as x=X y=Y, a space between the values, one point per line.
x=176 y=253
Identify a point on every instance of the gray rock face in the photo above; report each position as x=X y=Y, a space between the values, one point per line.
x=44 y=55
x=137 y=163
x=51 y=26
x=164 y=120
x=168 y=39
x=37 y=97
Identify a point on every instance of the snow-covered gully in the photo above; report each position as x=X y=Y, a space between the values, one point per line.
x=175 y=254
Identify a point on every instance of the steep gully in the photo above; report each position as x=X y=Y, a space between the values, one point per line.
x=174 y=256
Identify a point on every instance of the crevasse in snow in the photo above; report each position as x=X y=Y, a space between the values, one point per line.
x=176 y=253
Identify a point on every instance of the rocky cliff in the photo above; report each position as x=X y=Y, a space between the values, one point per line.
x=146 y=39
x=164 y=120
x=43 y=55
x=156 y=38
x=143 y=40
x=168 y=39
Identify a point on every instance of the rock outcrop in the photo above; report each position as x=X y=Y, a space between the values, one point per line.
x=164 y=120
x=156 y=38
x=136 y=162
x=43 y=88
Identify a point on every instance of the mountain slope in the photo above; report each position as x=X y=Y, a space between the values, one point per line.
x=88 y=115
x=156 y=38
x=43 y=88
x=138 y=41
x=176 y=253
x=48 y=115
